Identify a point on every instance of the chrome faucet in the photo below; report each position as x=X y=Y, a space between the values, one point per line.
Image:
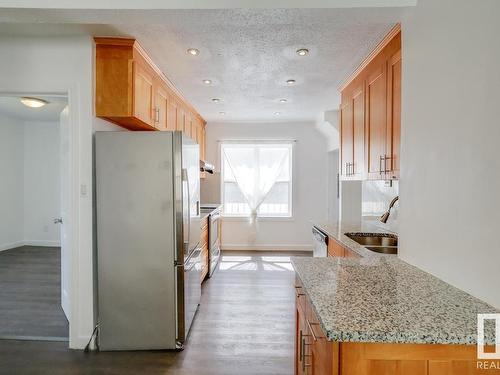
x=386 y=215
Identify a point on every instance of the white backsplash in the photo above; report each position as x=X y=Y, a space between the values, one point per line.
x=376 y=197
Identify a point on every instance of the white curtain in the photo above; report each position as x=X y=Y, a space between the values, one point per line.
x=255 y=169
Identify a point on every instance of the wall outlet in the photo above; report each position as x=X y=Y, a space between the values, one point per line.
x=46 y=228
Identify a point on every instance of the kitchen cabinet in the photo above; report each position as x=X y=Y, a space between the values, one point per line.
x=132 y=92
x=316 y=355
x=171 y=114
x=352 y=132
x=370 y=115
x=204 y=249
x=160 y=108
x=337 y=250
x=143 y=93
x=393 y=135
x=376 y=122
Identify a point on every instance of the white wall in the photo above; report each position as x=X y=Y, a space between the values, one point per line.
x=41 y=183
x=450 y=207
x=309 y=185
x=11 y=182
x=333 y=192
x=64 y=65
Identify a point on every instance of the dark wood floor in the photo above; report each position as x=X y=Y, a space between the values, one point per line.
x=245 y=326
x=30 y=293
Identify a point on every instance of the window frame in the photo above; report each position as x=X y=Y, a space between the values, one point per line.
x=291 y=182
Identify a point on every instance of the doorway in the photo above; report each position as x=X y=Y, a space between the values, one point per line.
x=35 y=256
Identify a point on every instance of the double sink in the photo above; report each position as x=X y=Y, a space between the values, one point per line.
x=383 y=243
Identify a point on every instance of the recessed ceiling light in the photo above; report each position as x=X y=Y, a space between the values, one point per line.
x=193 y=51
x=216 y=100
x=283 y=100
x=277 y=113
x=33 y=102
x=291 y=82
x=222 y=113
x=302 y=51
x=207 y=81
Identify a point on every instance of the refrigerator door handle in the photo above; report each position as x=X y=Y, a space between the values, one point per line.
x=185 y=180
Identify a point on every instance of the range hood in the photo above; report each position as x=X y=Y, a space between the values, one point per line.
x=206 y=167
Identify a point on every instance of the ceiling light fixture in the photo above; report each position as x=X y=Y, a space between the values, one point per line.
x=277 y=113
x=283 y=100
x=193 y=51
x=216 y=100
x=222 y=113
x=207 y=81
x=302 y=51
x=33 y=102
x=291 y=82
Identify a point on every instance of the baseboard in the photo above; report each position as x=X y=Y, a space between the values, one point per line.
x=12 y=245
x=40 y=243
x=257 y=247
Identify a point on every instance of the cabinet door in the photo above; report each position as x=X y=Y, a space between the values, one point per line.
x=321 y=353
x=160 y=110
x=202 y=141
x=180 y=119
x=300 y=331
x=358 y=120
x=376 y=122
x=393 y=137
x=143 y=94
x=346 y=138
x=171 y=114
x=187 y=124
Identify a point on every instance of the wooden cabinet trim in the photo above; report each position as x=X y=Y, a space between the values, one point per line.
x=373 y=54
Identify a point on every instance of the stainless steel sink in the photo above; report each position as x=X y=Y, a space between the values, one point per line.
x=384 y=249
x=383 y=243
x=374 y=239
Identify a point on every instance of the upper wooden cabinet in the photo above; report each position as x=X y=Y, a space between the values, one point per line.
x=352 y=129
x=370 y=115
x=132 y=92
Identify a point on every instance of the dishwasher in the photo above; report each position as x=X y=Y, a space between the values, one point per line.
x=320 y=243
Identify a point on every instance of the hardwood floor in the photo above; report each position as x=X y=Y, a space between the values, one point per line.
x=245 y=326
x=30 y=293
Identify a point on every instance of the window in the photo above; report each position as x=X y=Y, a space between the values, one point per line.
x=257 y=179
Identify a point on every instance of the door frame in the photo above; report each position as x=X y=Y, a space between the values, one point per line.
x=72 y=94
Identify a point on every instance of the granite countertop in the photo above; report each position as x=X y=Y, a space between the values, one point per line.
x=384 y=299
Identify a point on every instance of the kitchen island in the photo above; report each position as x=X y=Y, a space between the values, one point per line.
x=377 y=314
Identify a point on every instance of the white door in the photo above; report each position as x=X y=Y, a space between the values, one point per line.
x=65 y=208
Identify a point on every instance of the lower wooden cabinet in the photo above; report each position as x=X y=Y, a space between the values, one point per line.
x=315 y=355
x=204 y=249
x=337 y=250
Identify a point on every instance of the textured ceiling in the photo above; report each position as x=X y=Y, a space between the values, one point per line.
x=247 y=53
x=12 y=107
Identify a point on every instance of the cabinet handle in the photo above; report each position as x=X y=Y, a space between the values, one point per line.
x=301 y=350
x=385 y=163
x=157 y=114
x=382 y=159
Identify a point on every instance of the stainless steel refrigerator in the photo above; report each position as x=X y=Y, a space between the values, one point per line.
x=148 y=233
